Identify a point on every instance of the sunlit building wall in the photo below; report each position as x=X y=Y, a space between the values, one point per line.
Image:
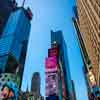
x=89 y=25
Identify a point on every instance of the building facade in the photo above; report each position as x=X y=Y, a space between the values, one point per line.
x=35 y=85
x=58 y=79
x=58 y=39
x=6 y=7
x=89 y=25
x=13 y=47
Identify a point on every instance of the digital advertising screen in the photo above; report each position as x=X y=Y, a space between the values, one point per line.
x=53 y=52
x=51 y=64
x=51 y=84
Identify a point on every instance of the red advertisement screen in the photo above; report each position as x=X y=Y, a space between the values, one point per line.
x=53 y=52
x=51 y=64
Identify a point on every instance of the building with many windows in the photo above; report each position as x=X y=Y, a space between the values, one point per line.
x=89 y=25
x=58 y=78
x=13 y=47
x=35 y=86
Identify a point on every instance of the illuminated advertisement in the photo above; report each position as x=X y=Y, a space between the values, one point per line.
x=10 y=90
x=51 y=64
x=51 y=84
x=7 y=93
x=53 y=52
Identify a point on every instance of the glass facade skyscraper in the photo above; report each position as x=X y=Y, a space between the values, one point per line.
x=14 y=38
x=13 y=46
x=57 y=37
x=58 y=78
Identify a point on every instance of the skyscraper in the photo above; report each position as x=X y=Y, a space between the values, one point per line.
x=86 y=60
x=58 y=79
x=35 y=84
x=35 y=87
x=13 y=47
x=58 y=39
x=87 y=22
x=89 y=25
x=6 y=7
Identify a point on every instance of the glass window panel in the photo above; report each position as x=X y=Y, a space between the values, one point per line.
x=5 y=45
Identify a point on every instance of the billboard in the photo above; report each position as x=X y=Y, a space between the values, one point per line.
x=51 y=84
x=51 y=64
x=53 y=52
x=7 y=92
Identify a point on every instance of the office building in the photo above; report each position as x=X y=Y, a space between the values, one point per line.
x=13 y=47
x=35 y=87
x=89 y=25
x=58 y=79
x=35 y=84
x=86 y=34
x=6 y=7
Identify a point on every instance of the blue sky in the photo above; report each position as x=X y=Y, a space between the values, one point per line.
x=56 y=15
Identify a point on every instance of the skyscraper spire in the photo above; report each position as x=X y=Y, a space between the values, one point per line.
x=23 y=3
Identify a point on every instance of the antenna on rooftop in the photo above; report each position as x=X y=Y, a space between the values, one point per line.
x=23 y=3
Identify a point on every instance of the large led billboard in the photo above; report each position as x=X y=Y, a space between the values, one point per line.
x=53 y=52
x=52 y=84
x=51 y=64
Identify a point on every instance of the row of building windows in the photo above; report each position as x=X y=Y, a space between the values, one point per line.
x=93 y=37
x=96 y=7
x=98 y=2
x=94 y=41
x=83 y=16
x=97 y=46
